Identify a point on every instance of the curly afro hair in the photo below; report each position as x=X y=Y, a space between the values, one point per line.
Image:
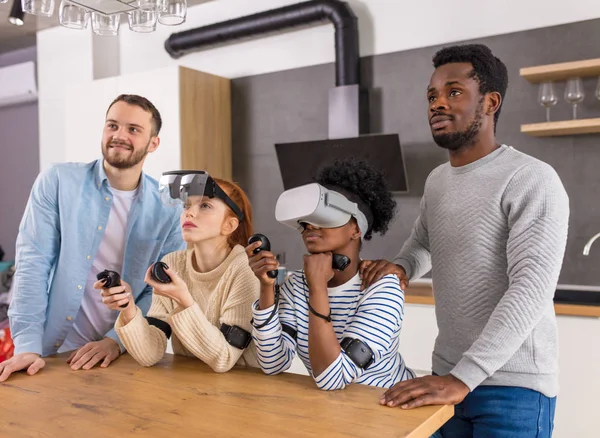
x=489 y=71
x=362 y=183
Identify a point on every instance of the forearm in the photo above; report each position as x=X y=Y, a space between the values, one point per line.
x=145 y=343
x=127 y=314
x=534 y=267
x=267 y=296
x=511 y=322
x=414 y=258
x=27 y=310
x=204 y=340
x=274 y=350
x=37 y=248
x=323 y=346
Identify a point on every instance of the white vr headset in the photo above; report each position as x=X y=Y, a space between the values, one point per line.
x=316 y=205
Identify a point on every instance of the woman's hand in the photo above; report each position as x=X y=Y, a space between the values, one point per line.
x=318 y=271
x=261 y=263
x=176 y=290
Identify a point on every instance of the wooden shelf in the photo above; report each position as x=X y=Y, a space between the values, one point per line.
x=577 y=310
x=562 y=71
x=563 y=127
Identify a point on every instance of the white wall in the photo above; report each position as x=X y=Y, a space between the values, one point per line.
x=86 y=104
x=385 y=26
x=64 y=59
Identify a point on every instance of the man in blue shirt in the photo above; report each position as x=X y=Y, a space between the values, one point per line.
x=81 y=219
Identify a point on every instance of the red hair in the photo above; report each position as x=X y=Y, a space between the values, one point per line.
x=244 y=230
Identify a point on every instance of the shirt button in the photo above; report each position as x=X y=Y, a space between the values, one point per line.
x=79 y=287
x=99 y=227
x=99 y=185
x=88 y=257
x=69 y=318
x=57 y=344
x=107 y=199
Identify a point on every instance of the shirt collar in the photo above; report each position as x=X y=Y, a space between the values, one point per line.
x=100 y=174
x=100 y=177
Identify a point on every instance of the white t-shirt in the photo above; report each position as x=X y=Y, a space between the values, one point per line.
x=94 y=319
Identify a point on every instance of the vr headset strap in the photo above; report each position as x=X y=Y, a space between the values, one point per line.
x=220 y=193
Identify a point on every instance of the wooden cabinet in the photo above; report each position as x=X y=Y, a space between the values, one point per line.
x=195 y=108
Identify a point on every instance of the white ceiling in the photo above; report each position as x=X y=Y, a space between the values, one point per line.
x=14 y=37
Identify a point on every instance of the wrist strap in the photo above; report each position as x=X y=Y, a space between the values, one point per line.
x=272 y=313
x=314 y=312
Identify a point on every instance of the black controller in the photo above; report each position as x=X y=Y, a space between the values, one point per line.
x=339 y=262
x=265 y=245
x=159 y=274
x=111 y=279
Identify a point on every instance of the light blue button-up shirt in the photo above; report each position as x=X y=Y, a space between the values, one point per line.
x=59 y=236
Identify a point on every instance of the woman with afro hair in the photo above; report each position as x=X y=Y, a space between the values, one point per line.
x=341 y=332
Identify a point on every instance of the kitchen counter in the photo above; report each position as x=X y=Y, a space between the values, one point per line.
x=572 y=300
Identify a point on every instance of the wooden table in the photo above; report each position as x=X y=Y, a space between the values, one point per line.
x=182 y=397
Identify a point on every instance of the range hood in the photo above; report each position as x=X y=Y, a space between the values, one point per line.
x=301 y=162
x=348 y=112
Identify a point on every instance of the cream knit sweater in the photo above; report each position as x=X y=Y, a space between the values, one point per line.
x=223 y=295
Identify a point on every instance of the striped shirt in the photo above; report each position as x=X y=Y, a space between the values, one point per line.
x=373 y=316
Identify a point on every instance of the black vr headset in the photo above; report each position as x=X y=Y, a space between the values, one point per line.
x=176 y=186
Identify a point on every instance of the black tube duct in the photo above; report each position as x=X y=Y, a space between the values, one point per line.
x=337 y=12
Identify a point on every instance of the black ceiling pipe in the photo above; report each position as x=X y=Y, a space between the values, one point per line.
x=337 y=12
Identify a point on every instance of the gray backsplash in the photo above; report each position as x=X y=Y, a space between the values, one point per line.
x=292 y=106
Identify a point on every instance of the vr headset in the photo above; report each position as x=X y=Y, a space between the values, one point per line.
x=176 y=187
x=319 y=206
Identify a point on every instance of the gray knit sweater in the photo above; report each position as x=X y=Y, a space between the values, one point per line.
x=493 y=233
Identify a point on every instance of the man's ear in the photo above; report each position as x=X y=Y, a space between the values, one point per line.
x=493 y=102
x=154 y=143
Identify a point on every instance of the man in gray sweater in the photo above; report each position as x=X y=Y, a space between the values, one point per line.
x=492 y=229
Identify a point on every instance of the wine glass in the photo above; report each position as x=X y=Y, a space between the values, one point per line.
x=574 y=93
x=174 y=12
x=547 y=97
x=105 y=25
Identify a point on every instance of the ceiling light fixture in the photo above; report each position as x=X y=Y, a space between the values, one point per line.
x=16 y=14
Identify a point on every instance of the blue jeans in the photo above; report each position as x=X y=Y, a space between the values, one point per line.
x=501 y=412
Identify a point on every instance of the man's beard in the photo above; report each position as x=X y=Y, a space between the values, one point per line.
x=454 y=141
x=124 y=162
